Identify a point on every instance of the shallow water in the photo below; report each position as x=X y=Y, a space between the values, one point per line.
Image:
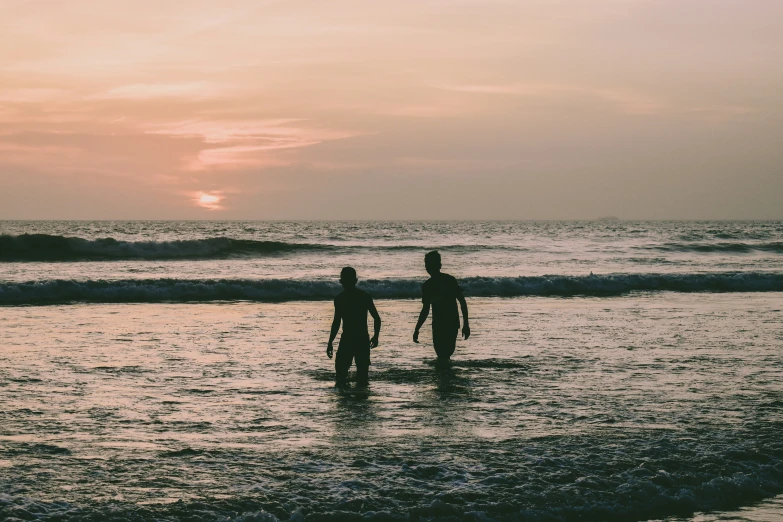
x=766 y=511
x=647 y=406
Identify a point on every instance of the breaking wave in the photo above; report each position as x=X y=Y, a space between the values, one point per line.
x=45 y=247
x=272 y=290
x=774 y=247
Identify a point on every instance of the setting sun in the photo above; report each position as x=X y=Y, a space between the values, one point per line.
x=209 y=201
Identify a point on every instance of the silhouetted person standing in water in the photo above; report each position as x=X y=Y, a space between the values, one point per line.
x=441 y=291
x=351 y=307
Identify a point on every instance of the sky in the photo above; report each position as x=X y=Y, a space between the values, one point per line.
x=405 y=109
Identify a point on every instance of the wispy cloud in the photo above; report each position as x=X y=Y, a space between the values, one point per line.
x=244 y=143
x=225 y=131
x=723 y=113
x=434 y=110
x=136 y=155
x=147 y=91
x=40 y=95
x=228 y=158
x=626 y=101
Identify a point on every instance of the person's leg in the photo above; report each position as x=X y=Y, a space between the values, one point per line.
x=342 y=363
x=362 y=375
x=363 y=366
x=445 y=341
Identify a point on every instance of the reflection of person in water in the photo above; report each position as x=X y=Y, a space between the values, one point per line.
x=441 y=291
x=351 y=308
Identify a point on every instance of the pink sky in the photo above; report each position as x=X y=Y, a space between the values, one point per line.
x=527 y=109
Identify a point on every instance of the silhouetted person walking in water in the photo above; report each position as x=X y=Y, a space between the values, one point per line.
x=351 y=307
x=442 y=292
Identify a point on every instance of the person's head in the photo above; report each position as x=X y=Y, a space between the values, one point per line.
x=432 y=262
x=348 y=277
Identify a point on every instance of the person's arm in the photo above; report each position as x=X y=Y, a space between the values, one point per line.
x=464 y=307
x=333 y=333
x=376 y=318
x=465 y=321
x=425 y=311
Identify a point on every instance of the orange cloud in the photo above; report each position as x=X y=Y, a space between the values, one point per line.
x=244 y=143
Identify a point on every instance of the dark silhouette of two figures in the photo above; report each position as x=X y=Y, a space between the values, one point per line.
x=441 y=292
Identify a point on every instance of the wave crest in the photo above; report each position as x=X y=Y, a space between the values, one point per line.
x=271 y=290
x=45 y=247
x=740 y=248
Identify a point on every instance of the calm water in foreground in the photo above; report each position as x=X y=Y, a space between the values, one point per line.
x=145 y=379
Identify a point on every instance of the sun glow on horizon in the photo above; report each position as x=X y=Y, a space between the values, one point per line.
x=208 y=200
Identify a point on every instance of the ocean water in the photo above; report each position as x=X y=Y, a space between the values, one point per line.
x=176 y=371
